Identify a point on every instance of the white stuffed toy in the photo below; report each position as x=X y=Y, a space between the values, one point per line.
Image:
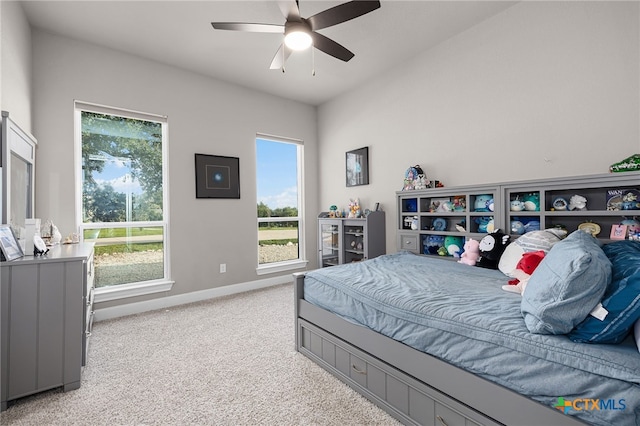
x=577 y=202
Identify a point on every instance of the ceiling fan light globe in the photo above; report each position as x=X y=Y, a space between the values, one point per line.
x=297 y=40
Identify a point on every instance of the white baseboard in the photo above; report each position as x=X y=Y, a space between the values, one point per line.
x=181 y=299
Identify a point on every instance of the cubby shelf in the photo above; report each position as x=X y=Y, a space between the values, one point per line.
x=422 y=217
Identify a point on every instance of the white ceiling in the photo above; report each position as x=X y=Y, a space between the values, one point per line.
x=179 y=33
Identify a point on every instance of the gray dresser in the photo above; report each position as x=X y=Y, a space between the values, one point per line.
x=46 y=317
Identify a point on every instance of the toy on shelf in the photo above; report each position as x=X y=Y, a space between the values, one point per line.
x=577 y=202
x=354 y=208
x=414 y=178
x=483 y=203
x=559 y=204
x=333 y=211
x=532 y=202
x=439 y=224
x=431 y=244
x=471 y=252
x=590 y=228
x=629 y=164
x=517 y=227
x=453 y=245
x=445 y=206
x=633 y=228
x=517 y=205
x=485 y=223
x=415 y=223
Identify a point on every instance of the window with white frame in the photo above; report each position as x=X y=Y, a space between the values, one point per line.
x=279 y=203
x=122 y=198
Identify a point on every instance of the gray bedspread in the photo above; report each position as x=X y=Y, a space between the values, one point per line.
x=460 y=313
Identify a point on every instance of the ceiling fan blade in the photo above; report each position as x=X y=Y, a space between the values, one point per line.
x=280 y=58
x=289 y=9
x=255 y=28
x=330 y=47
x=342 y=13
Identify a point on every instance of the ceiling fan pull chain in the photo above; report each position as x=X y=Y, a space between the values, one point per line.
x=313 y=61
x=284 y=57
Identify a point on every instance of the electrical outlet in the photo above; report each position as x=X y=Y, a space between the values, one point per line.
x=223 y=268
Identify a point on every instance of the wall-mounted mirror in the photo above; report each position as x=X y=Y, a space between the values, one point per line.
x=17 y=157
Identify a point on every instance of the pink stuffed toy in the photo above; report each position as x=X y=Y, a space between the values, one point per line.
x=471 y=252
x=525 y=267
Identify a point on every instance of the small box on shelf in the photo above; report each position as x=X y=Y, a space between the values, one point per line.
x=623 y=199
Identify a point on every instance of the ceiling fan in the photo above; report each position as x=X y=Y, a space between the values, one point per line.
x=300 y=33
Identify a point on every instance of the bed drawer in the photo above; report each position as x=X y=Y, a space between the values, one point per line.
x=402 y=396
x=409 y=243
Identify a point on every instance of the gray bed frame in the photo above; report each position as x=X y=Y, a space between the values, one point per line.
x=412 y=386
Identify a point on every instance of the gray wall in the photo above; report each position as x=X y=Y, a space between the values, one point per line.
x=205 y=116
x=542 y=89
x=15 y=64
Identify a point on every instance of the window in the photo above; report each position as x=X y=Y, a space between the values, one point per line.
x=122 y=203
x=279 y=189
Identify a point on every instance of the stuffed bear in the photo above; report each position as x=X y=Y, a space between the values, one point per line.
x=491 y=248
x=527 y=264
x=471 y=252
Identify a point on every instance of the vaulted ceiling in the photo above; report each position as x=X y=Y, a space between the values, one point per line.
x=179 y=33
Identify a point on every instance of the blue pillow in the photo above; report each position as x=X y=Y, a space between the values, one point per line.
x=621 y=300
x=566 y=286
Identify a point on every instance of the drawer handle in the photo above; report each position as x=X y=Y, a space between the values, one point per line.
x=87 y=334
x=441 y=420
x=357 y=370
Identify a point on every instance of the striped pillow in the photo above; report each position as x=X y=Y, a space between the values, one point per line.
x=621 y=299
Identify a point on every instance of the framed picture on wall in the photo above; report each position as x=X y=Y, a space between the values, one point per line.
x=9 y=244
x=357 y=165
x=217 y=176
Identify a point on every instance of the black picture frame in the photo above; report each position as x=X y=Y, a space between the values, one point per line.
x=357 y=167
x=9 y=245
x=217 y=176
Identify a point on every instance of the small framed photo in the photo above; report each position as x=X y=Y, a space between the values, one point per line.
x=618 y=232
x=217 y=176
x=9 y=244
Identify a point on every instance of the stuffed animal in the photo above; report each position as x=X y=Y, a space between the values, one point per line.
x=531 y=241
x=491 y=248
x=577 y=202
x=471 y=252
x=354 y=208
x=453 y=245
x=431 y=244
x=532 y=202
x=525 y=267
x=483 y=203
x=517 y=205
x=485 y=223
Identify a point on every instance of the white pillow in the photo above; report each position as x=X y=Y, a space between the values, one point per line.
x=531 y=241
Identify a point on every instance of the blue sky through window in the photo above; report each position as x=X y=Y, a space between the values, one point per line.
x=117 y=173
x=276 y=171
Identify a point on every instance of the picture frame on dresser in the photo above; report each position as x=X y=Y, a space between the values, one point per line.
x=9 y=244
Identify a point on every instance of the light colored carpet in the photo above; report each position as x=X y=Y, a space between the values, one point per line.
x=227 y=361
